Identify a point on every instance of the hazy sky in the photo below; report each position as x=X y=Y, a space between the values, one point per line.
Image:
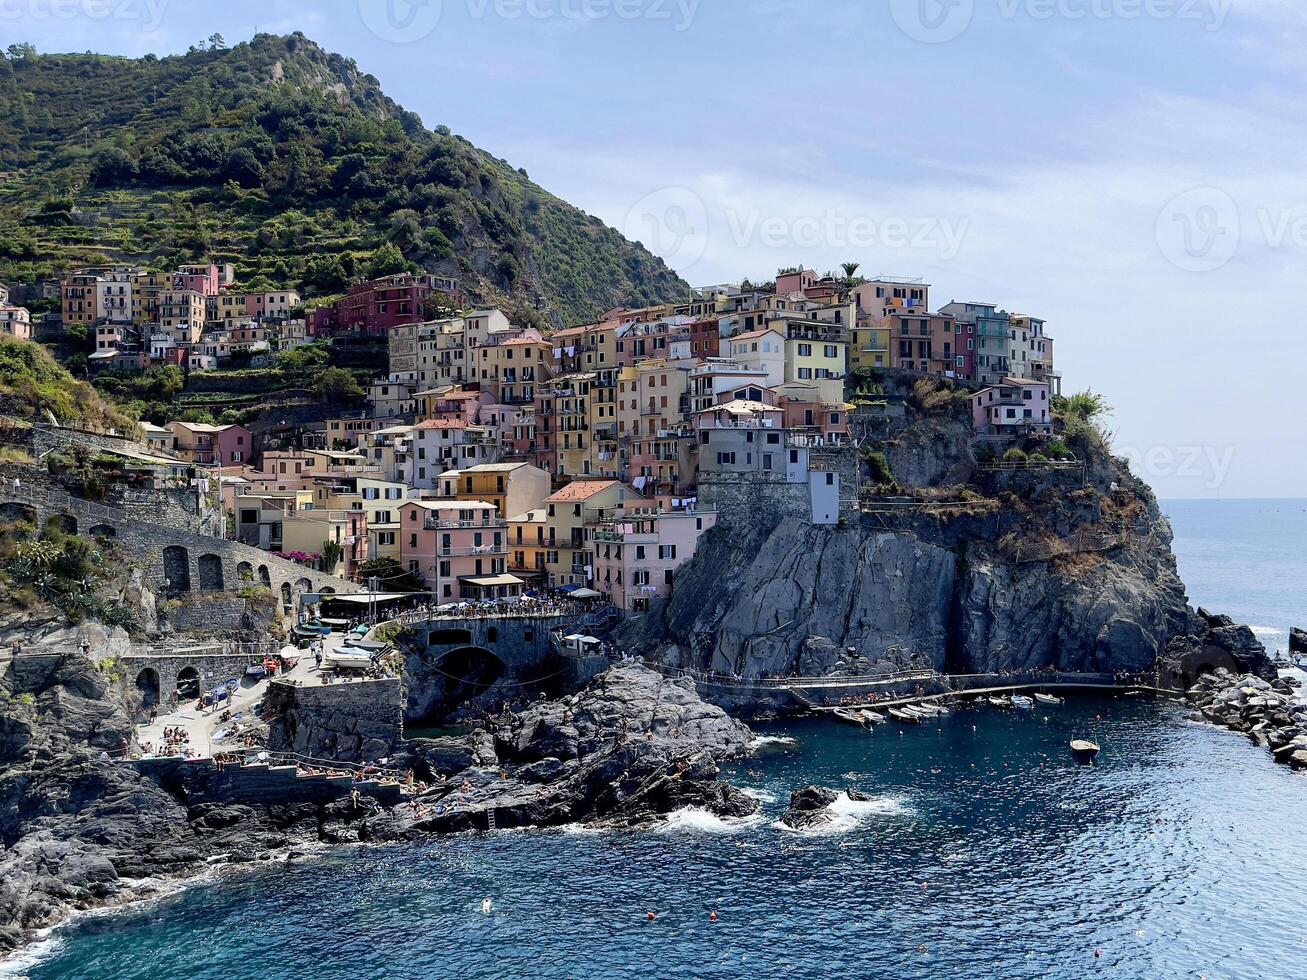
x=1130 y=170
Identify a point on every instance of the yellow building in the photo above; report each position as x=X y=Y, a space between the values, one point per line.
x=147 y=287
x=528 y=550
x=182 y=315
x=80 y=298
x=569 y=560
x=512 y=487
x=870 y=342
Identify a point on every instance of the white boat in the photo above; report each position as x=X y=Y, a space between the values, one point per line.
x=999 y=702
x=1048 y=699
x=1022 y=703
x=843 y=714
x=1084 y=749
x=925 y=710
x=905 y=716
x=872 y=717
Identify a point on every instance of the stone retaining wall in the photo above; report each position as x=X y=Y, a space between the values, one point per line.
x=360 y=721
x=201 y=781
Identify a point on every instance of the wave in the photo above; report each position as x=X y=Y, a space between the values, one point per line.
x=847 y=814
x=706 y=822
x=46 y=947
x=761 y=795
x=764 y=741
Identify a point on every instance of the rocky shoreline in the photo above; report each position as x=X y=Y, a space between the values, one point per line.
x=78 y=833
x=1273 y=714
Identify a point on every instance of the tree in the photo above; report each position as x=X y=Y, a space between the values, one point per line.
x=338 y=385
x=113 y=165
x=217 y=42
x=386 y=261
x=850 y=268
x=391 y=576
x=1084 y=405
x=17 y=52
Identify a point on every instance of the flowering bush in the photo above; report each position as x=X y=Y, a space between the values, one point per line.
x=302 y=557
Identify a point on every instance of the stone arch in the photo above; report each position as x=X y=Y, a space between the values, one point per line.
x=285 y=594
x=460 y=675
x=303 y=585
x=63 y=522
x=177 y=568
x=13 y=512
x=446 y=636
x=209 y=573
x=265 y=579
x=245 y=571
x=327 y=590
x=188 y=683
x=147 y=687
x=103 y=531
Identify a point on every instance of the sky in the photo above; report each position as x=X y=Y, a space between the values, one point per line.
x=1131 y=171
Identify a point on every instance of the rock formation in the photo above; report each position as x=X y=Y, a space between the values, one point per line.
x=1272 y=714
x=810 y=807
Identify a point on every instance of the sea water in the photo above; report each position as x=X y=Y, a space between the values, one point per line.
x=985 y=850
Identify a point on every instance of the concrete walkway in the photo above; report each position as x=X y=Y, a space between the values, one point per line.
x=200 y=724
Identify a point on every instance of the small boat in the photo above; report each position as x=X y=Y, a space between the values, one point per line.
x=905 y=716
x=872 y=717
x=928 y=710
x=256 y=671
x=999 y=702
x=1022 y=703
x=843 y=714
x=1049 y=699
x=1084 y=749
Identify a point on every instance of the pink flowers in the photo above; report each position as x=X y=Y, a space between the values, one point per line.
x=302 y=557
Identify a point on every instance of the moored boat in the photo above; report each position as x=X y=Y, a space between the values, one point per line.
x=872 y=717
x=843 y=714
x=998 y=702
x=1084 y=749
x=905 y=716
x=1022 y=703
x=1048 y=698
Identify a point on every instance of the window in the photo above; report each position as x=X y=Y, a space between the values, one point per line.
x=805 y=350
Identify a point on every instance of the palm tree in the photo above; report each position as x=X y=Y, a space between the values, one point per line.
x=1084 y=405
x=850 y=268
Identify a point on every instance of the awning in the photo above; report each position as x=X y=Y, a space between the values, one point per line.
x=584 y=593
x=490 y=580
x=362 y=598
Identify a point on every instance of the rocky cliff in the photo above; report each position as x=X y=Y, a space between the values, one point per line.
x=970 y=569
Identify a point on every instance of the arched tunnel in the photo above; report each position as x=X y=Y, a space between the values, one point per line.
x=450 y=683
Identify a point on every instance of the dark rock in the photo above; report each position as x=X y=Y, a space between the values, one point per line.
x=809 y=807
x=1297 y=640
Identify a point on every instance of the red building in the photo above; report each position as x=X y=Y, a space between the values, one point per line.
x=375 y=306
x=705 y=338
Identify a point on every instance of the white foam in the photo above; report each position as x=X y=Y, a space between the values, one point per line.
x=761 y=795
x=763 y=741
x=18 y=963
x=847 y=814
x=706 y=822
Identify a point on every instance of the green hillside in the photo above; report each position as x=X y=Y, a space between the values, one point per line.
x=290 y=162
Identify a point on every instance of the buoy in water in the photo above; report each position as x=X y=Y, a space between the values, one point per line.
x=486 y=906
x=1098 y=954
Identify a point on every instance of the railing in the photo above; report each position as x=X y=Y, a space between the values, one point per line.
x=1050 y=464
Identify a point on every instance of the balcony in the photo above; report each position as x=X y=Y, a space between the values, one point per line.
x=433 y=524
x=479 y=550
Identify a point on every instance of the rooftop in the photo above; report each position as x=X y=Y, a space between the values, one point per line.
x=581 y=490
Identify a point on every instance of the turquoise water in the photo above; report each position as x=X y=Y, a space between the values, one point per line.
x=1181 y=854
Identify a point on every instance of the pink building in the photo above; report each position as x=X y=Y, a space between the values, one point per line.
x=795 y=282
x=202 y=279
x=1014 y=406
x=637 y=553
x=830 y=422
x=213 y=445
x=458 y=547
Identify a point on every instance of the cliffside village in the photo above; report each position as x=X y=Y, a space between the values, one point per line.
x=493 y=458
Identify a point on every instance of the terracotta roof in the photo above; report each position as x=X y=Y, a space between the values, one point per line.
x=753 y=333
x=442 y=424
x=581 y=490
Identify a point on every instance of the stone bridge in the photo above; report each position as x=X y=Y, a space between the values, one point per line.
x=448 y=660
x=176 y=562
x=169 y=677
